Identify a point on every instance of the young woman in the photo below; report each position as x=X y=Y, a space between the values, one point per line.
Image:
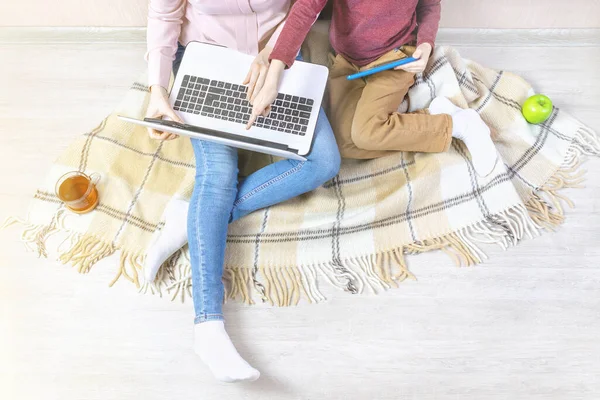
x=250 y=26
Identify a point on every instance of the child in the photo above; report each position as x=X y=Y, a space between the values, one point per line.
x=363 y=112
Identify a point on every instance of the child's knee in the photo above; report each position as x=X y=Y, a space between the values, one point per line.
x=362 y=129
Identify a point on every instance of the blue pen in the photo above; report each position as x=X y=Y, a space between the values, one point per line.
x=383 y=67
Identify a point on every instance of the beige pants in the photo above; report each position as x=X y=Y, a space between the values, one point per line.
x=364 y=112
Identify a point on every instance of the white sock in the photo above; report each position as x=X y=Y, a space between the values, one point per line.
x=468 y=126
x=214 y=347
x=168 y=240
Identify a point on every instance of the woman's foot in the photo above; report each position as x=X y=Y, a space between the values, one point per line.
x=169 y=239
x=468 y=126
x=214 y=347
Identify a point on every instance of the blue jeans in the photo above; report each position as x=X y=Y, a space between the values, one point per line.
x=219 y=199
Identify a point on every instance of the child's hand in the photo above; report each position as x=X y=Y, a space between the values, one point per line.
x=261 y=101
x=423 y=52
x=258 y=73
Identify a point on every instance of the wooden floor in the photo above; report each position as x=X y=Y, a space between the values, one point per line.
x=525 y=325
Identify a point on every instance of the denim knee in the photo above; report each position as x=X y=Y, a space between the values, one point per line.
x=216 y=166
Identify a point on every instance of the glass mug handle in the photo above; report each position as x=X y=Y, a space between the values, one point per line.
x=94 y=178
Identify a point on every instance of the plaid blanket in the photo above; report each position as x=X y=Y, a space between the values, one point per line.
x=355 y=231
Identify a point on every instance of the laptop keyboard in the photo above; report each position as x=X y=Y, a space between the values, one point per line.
x=227 y=101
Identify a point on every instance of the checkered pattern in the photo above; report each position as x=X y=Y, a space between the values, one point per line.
x=354 y=231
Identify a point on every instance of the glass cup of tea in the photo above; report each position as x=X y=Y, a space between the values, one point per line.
x=78 y=191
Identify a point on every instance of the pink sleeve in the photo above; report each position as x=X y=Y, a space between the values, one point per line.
x=302 y=16
x=428 y=17
x=164 y=27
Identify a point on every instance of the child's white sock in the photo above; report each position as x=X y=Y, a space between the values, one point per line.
x=168 y=240
x=468 y=126
x=214 y=347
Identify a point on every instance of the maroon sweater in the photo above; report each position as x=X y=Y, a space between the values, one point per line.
x=361 y=30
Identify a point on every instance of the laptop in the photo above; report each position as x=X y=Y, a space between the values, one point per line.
x=211 y=101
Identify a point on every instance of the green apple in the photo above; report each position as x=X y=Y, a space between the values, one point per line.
x=537 y=109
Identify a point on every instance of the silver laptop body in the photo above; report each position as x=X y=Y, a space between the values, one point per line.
x=210 y=99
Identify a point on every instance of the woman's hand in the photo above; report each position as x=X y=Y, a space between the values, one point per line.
x=422 y=53
x=262 y=100
x=160 y=107
x=258 y=73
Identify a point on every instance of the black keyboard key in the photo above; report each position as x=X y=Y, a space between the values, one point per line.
x=281 y=129
x=212 y=97
x=185 y=105
x=295 y=98
x=220 y=84
x=194 y=100
x=296 y=113
x=239 y=116
x=275 y=123
x=238 y=102
x=238 y=108
x=310 y=102
x=196 y=112
x=235 y=87
x=305 y=115
x=303 y=129
x=288 y=118
x=293 y=106
x=268 y=121
x=230 y=107
x=304 y=108
x=280 y=96
x=286 y=104
x=177 y=103
x=260 y=119
x=217 y=111
x=302 y=100
x=279 y=103
x=187 y=98
x=274 y=109
x=303 y=121
x=224 y=99
x=216 y=90
x=216 y=104
x=297 y=127
x=176 y=108
x=181 y=94
x=189 y=92
x=229 y=93
x=280 y=117
x=198 y=106
x=193 y=79
x=288 y=97
x=227 y=85
x=186 y=79
x=290 y=126
x=288 y=131
x=198 y=86
x=196 y=93
x=288 y=112
x=236 y=94
x=208 y=110
x=295 y=120
x=245 y=110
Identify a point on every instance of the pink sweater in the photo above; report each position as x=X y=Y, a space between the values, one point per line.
x=244 y=25
x=362 y=30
